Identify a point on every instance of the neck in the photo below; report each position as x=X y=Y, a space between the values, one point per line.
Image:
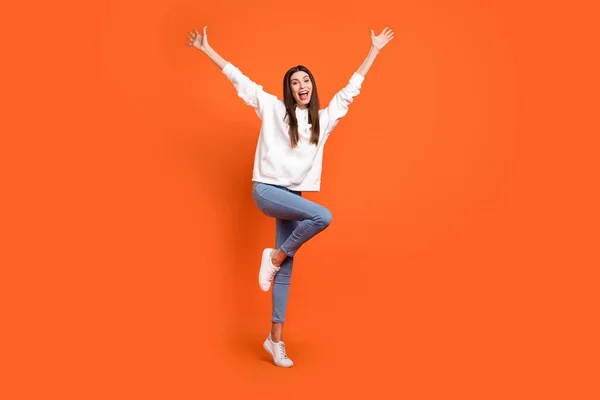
x=302 y=106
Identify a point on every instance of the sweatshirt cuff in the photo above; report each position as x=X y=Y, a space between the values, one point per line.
x=357 y=79
x=228 y=70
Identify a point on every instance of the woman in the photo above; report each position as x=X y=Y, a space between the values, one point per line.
x=288 y=161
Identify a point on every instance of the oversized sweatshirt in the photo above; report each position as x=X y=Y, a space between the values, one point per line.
x=275 y=161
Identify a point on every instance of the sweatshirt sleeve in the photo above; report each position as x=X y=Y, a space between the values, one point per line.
x=338 y=107
x=252 y=94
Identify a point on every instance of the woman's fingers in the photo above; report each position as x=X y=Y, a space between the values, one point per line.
x=387 y=33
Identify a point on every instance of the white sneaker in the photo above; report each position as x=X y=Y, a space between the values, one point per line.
x=267 y=270
x=277 y=351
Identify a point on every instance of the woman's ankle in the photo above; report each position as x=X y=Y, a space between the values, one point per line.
x=278 y=257
x=276 y=332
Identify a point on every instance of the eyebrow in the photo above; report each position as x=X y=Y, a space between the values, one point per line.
x=296 y=79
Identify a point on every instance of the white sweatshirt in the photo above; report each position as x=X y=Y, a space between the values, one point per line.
x=275 y=161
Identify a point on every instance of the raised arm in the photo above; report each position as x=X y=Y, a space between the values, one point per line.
x=338 y=107
x=200 y=42
x=377 y=43
x=252 y=94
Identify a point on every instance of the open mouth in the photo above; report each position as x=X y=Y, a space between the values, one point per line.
x=303 y=95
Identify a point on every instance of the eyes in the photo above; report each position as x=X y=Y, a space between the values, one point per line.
x=295 y=82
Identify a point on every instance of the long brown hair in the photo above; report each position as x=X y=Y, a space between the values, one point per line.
x=290 y=106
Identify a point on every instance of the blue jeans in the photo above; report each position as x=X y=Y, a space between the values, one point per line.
x=297 y=221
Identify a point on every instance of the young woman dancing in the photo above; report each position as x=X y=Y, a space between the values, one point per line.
x=287 y=162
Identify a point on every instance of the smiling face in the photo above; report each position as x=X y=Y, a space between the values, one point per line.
x=301 y=88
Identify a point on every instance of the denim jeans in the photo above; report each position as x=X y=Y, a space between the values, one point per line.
x=297 y=221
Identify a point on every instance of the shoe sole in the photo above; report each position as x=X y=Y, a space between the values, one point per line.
x=265 y=265
x=272 y=355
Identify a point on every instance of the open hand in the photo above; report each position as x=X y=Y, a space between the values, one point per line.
x=198 y=41
x=382 y=39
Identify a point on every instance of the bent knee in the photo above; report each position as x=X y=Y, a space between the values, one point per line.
x=323 y=218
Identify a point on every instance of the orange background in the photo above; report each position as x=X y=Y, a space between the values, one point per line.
x=462 y=258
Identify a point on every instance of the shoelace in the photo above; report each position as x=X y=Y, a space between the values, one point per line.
x=282 y=350
x=272 y=273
